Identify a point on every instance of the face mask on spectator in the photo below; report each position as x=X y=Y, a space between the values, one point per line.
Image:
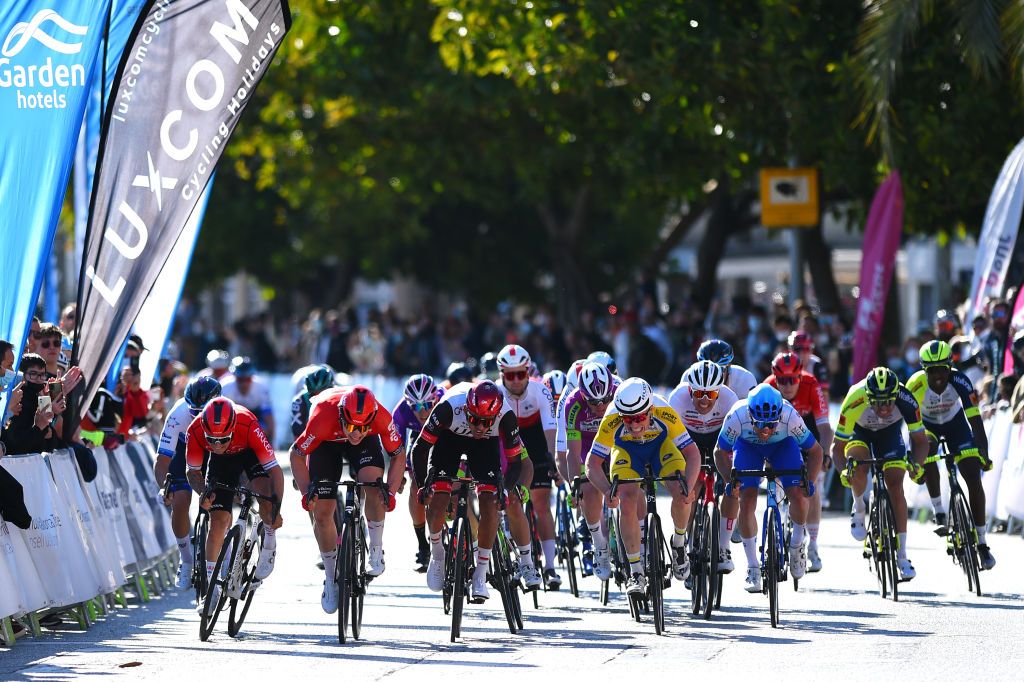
x=912 y=356
x=7 y=379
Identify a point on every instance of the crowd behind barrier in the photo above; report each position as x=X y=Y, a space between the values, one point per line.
x=89 y=544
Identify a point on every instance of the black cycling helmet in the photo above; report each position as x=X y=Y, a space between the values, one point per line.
x=882 y=385
x=717 y=351
x=489 y=366
x=457 y=373
x=200 y=391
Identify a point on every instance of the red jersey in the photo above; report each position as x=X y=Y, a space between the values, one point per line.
x=136 y=407
x=809 y=398
x=325 y=424
x=247 y=436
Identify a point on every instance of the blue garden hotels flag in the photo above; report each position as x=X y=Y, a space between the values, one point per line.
x=48 y=52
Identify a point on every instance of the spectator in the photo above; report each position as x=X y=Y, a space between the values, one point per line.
x=33 y=429
x=32 y=342
x=67 y=319
x=135 y=401
x=51 y=340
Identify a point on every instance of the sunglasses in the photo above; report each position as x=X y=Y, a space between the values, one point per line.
x=217 y=440
x=598 y=403
x=766 y=424
x=35 y=376
x=999 y=314
x=515 y=376
x=47 y=344
x=422 y=406
x=634 y=418
x=882 y=403
x=787 y=381
x=350 y=428
x=699 y=394
x=486 y=422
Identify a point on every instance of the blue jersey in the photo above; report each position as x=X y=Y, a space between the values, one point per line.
x=738 y=426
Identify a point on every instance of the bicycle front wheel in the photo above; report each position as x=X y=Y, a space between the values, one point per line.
x=345 y=567
x=461 y=551
x=714 y=578
x=500 y=573
x=656 y=571
x=772 y=565
x=219 y=580
x=250 y=557
x=890 y=545
x=200 y=531
x=965 y=547
x=358 y=580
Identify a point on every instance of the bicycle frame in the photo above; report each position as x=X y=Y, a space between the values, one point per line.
x=881 y=543
x=961 y=536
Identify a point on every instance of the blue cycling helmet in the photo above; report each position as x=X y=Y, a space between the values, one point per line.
x=765 y=404
x=200 y=391
x=320 y=379
x=717 y=351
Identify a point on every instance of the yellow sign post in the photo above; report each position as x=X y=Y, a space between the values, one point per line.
x=789 y=197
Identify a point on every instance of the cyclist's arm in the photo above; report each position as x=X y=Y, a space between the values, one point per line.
x=160 y=468
x=692 y=456
x=393 y=445
x=911 y=412
x=600 y=450
x=195 y=448
x=439 y=421
x=595 y=472
x=851 y=409
x=727 y=437
x=969 y=399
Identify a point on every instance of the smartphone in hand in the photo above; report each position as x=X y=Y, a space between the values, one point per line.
x=56 y=390
x=44 y=403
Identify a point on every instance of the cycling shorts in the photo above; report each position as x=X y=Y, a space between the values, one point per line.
x=483 y=457
x=958 y=436
x=886 y=443
x=176 y=470
x=662 y=455
x=227 y=470
x=537 y=447
x=327 y=462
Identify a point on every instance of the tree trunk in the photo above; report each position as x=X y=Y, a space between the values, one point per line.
x=712 y=245
x=818 y=256
x=572 y=291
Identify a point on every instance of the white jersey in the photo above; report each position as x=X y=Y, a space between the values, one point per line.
x=535 y=406
x=257 y=400
x=741 y=381
x=739 y=426
x=177 y=422
x=695 y=422
x=455 y=399
x=561 y=430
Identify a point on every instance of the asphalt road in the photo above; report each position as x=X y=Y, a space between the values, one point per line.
x=836 y=626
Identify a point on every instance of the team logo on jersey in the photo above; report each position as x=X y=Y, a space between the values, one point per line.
x=666 y=457
x=621 y=462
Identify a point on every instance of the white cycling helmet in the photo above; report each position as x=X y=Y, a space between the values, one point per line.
x=513 y=356
x=419 y=388
x=604 y=358
x=572 y=377
x=218 y=359
x=704 y=375
x=596 y=382
x=633 y=396
x=555 y=381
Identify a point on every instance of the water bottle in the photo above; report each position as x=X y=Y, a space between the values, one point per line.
x=463 y=467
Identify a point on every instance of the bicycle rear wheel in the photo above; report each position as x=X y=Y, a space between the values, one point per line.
x=531 y=520
x=225 y=561
x=656 y=571
x=358 y=578
x=772 y=568
x=714 y=580
x=250 y=557
x=200 y=532
x=965 y=547
x=459 y=587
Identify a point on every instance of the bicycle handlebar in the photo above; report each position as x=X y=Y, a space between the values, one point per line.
x=677 y=476
x=735 y=474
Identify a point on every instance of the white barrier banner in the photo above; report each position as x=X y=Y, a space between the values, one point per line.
x=998 y=429
x=142 y=456
x=10 y=596
x=104 y=559
x=1011 y=482
x=107 y=497
x=137 y=509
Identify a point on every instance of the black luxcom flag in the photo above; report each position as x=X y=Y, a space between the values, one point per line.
x=185 y=77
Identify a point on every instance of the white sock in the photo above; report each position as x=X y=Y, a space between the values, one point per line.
x=330 y=560
x=549 y=553
x=185 y=549
x=980 y=530
x=937 y=505
x=902 y=551
x=525 y=555
x=210 y=565
x=599 y=538
x=269 y=538
x=750 y=549
x=798 y=535
x=679 y=538
x=725 y=531
x=812 y=533
x=436 y=548
x=483 y=560
x=375 y=529
x=858 y=505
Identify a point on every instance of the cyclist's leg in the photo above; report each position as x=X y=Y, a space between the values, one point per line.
x=325 y=467
x=223 y=469
x=672 y=461
x=540 y=490
x=629 y=498
x=931 y=470
x=366 y=462
x=963 y=448
x=748 y=456
x=592 y=504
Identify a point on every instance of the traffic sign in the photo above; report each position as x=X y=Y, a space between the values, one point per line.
x=789 y=197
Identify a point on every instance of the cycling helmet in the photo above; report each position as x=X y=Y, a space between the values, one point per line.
x=555 y=381
x=936 y=354
x=457 y=373
x=704 y=375
x=604 y=358
x=218 y=359
x=320 y=379
x=242 y=367
x=800 y=342
x=765 y=404
x=946 y=322
x=572 y=377
x=218 y=418
x=717 y=351
x=489 y=366
x=534 y=371
x=358 y=406
x=596 y=382
x=419 y=388
x=484 y=400
x=633 y=396
x=200 y=391
x=882 y=385
x=787 y=364
x=513 y=357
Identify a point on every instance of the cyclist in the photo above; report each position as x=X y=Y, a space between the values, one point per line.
x=489 y=367
x=171 y=460
x=232 y=437
x=347 y=424
x=870 y=417
x=947 y=325
x=737 y=378
x=585 y=407
x=802 y=344
x=456 y=373
x=605 y=359
x=471 y=420
x=702 y=400
x=807 y=396
x=643 y=430
x=555 y=382
x=533 y=406
x=410 y=414
x=243 y=388
x=949 y=410
x=218 y=365
x=572 y=380
x=765 y=429
x=315 y=383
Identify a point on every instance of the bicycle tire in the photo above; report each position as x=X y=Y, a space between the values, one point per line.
x=248 y=574
x=499 y=574
x=342 y=570
x=890 y=544
x=571 y=556
x=696 y=550
x=358 y=577
x=876 y=545
x=511 y=555
x=965 y=547
x=531 y=521
x=208 y=618
x=449 y=567
x=459 y=586
x=200 y=532
x=771 y=553
x=714 y=577
x=656 y=571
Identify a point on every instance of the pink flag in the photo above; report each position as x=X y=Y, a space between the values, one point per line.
x=1016 y=324
x=881 y=241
